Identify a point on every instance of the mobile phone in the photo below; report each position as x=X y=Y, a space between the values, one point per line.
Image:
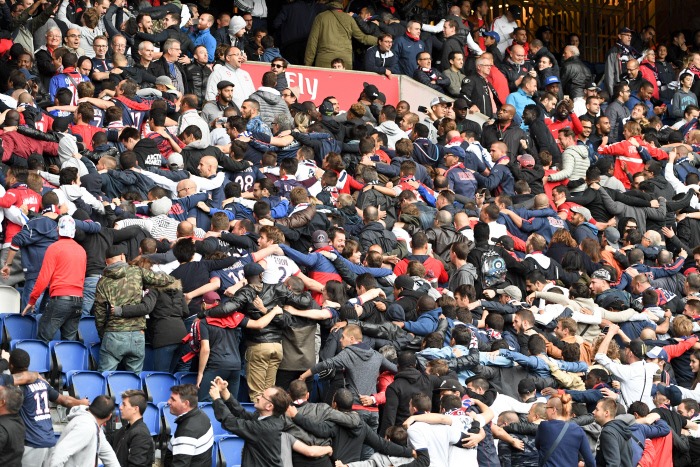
x=422 y=108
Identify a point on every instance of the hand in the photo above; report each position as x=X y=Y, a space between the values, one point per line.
x=607 y=392
x=188 y=298
x=672 y=154
x=382 y=214
x=381 y=306
x=632 y=272
x=292 y=411
x=277 y=310
x=683 y=253
x=392 y=259
x=258 y=303
x=199 y=379
x=613 y=328
x=615 y=385
x=5 y=271
x=28 y=309
x=654 y=203
x=530 y=298
x=265 y=222
x=214 y=392
x=523 y=143
x=366 y=401
x=489 y=293
x=623 y=165
x=456 y=352
x=518 y=444
x=221 y=383
x=633 y=141
x=549 y=392
x=339 y=325
x=409 y=421
x=472 y=440
x=5 y=355
x=203 y=206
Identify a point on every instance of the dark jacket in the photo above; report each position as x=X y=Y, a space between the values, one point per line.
x=173 y=32
x=195 y=428
x=375 y=233
x=475 y=89
x=34 y=238
x=378 y=62
x=133 y=445
x=197 y=77
x=426 y=76
x=380 y=200
x=11 y=440
x=442 y=239
x=160 y=67
x=407 y=382
x=513 y=71
x=575 y=77
x=454 y=43
x=271 y=295
x=613 y=445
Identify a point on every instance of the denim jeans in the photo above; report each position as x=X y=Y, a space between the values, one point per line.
x=63 y=314
x=27 y=291
x=164 y=358
x=233 y=377
x=371 y=419
x=89 y=286
x=128 y=347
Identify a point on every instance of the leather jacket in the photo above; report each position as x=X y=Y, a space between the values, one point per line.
x=442 y=239
x=271 y=295
x=197 y=77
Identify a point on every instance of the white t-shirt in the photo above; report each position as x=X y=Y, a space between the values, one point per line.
x=459 y=456
x=278 y=269
x=437 y=439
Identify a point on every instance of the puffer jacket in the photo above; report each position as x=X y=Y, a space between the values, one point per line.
x=575 y=77
x=197 y=77
x=120 y=285
x=575 y=163
x=271 y=295
x=271 y=104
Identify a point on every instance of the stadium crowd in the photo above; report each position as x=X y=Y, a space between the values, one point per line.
x=508 y=276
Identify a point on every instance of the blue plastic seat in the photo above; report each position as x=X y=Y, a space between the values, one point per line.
x=248 y=406
x=167 y=423
x=151 y=417
x=39 y=354
x=186 y=377
x=87 y=332
x=68 y=356
x=18 y=327
x=157 y=385
x=215 y=453
x=120 y=381
x=86 y=384
x=208 y=409
x=230 y=450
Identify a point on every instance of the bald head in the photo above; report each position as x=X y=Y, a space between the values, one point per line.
x=185 y=229
x=461 y=220
x=207 y=166
x=517 y=53
x=370 y=214
x=186 y=184
x=541 y=201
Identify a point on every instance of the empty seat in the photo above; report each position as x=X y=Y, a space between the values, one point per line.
x=167 y=423
x=230 y=450
x=86 y=384
x=40 y=360
x=10 y=299
x=68 y=356
x=151 y=417
x=208 y=409
x=18 y=327
x=186 y=377
x=157 y=385
x=87 y=332
x=248 y=406
x=120 y=381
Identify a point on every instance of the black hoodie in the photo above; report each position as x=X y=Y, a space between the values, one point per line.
x=407 y=382
x=148 y=154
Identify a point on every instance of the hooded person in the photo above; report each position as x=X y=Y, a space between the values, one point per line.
x=270 y=99
x=234 y=35
x=613 y=443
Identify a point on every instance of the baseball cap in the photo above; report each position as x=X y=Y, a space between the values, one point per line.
x=252 y=270
x=602 y=274
x=319 y=238
x=440 y=100
x=223 y=84
x=161 y=206
x=449 y=385
x=551 y=80
x=460 y=103
x=625 y=30
x=658 y=352
x=526 y=160
x=175 y=160
x=66 y=227
x=404 y=282
x=516 y=11
x=211 y=297
x=456 y=151
x=512 y=291
x=583 y=211
x=326 y=108
x=27 y=74
x=165 y=81
x=370 y=90
x=493 y=34
x=593 y=87
x=505 y=241
x=612 y=235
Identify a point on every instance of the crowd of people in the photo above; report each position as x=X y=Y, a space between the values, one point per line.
x=508 y=276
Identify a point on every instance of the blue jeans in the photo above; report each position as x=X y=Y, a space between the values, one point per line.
x=233 y=377
x=164 y=358
x=63 y=314
x=40 y=304
x=128 y=347
x=371 y=419
x=89 y=286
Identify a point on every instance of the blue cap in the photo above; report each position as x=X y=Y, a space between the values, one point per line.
x=493 y=34
x=551 y=80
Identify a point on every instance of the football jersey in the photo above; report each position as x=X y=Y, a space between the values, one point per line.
x=36 y=414
x=279 y=269
x=233 y=274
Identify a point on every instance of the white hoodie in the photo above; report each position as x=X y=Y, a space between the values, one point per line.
x=78 y=443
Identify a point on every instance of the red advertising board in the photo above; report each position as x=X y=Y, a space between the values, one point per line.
x=315 y=84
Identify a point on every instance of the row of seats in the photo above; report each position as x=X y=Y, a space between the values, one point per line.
x=16 y=327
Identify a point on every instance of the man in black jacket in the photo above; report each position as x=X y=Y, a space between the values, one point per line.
x=375 y=233
x=193 y=440
x=575 y=75
x=480 y=95
x=613 y=444
x=172 y=49
x=133 y=443
x=171 y=30
x=11 y=426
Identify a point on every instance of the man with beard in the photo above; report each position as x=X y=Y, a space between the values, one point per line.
x=506 y=131
x=224 y=99
x=617 y=58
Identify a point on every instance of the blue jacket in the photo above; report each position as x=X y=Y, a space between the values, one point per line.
x=652 y=272
x=634 y=100
x=590 y=397
x=539 y=367
x=425 y=324
x=641 y=432
x=406 y=50
x=207 y=40
x=33 y=240
x=499 y=181
x=519 y=100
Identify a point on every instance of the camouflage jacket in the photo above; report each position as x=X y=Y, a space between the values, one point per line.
x=121 y=285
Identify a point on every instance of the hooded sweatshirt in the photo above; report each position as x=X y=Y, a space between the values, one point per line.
x=614 y=448
x=271 y=104
x=79 y=442
x=392 y=131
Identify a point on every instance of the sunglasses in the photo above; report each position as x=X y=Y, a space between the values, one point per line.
x=275 y=65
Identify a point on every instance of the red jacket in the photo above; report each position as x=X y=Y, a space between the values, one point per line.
x=63 y=270
x=86 y=132
x=17 y=196
x=625 y=152
x=572 y=122
x=24 y=146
